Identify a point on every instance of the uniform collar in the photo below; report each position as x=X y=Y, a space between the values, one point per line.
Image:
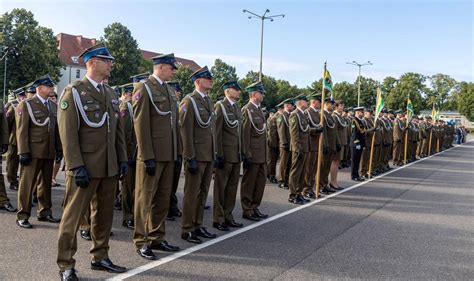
x=203 y=95
x=93 y=82
x=41 y=99
x=157 y=79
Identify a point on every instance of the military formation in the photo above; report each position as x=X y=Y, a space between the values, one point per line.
x=130 y=144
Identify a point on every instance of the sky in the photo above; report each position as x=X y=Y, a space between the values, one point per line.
x=426 y=37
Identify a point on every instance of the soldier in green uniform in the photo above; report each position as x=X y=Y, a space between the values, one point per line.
x=313 y=113
x=128 y=183
x=341 y=125
x=4 y=201
x=173 y=210
x=95 y=156
x=254 y=132
x=331 y=147
x=273 y=145
x=387 y=136
x=371 y=132
x=155 y=115
x=197 y=123
x=284 y=138
x=12 y=155
x=299 y=132
x=38 y=144
x=229 y=152
x=398 y=138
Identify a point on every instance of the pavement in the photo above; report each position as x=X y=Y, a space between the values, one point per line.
x=412 y=223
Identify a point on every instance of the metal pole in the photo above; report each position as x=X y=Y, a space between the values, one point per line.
x=261 y=50
x=358 y=91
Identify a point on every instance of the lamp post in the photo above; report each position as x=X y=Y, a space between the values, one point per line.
x=262 y=18
x=360 y=65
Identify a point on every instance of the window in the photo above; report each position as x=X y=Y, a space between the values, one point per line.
x=78 y=73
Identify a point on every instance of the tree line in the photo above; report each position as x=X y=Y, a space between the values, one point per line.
x=32 y=50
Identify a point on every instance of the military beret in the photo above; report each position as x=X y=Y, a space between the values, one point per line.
x=97 y=51
x=329 y=100
x=256 y=87
x=165 y=59
x=30 y=88
x=232 y=84
x=139 y=77
x=43 y=80
x=272 y=110
x=359 y=108
x=349 y=109
x=126 y=88
x=19 y=92
x=175 y=85
x=203 y=72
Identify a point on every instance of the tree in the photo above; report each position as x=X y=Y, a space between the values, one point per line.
x=32 y=49
x=269 y=84
x=124 y=48
x=182 y=76
x=442 y=87
x=466 y=100
x=221 y=73
x=346 y=92
x=145 y=66
x=409 y=85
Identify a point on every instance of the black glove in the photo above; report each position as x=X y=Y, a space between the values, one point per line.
x=299 y=155
x=319 y=129
x=220 y=162
x=4 y=148
x=81 y=177
x=132 y=163
x=25 y=159
x=150 y=167
x=192 y=166
x=286 y=147
x=178 y=162
x=59 y=156
x=123 y=170
x=247 y=162
x=325 y=150
x=338 y=147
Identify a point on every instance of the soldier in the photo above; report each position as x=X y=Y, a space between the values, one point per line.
x=347 y=157
x=128 y=183
x=173 y=210
x=284 y=139
x=387 y=135
x=197 y=133
x=254 y=141
x=229 y=152
x=4 y=201
x=358 y=142
x=273 y=146
x=38 y=143
x=299 y=132
x=313 y=113
x=12 y=154
x=331 y=147
x=341 y=125
x=155 y=113
x=372 y=132
x=95 y=153
x=398 y=138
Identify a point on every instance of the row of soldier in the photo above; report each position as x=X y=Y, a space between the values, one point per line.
x=146 y=137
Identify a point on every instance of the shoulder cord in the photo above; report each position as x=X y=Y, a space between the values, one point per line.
x=197 y=115
x=33 y=119
x=387 y=124
x=229 y=123
x=130 y=109
x=339 y=120
x=304 y=130
x=80 y=109
x=311 y=119
x=284 y=119
x=259 y=131
x=358 y=126
x=162 y=113
x=327 y=124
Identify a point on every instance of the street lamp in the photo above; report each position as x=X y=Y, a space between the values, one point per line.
x=262 y=18
x=360 y=65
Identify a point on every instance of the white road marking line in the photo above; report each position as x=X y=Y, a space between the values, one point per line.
x=185 y=252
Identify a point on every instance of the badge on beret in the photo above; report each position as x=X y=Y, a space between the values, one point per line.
x=137 y=96
x=64 y=105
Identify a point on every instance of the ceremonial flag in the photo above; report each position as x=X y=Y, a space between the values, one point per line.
x=379 y=104
x=327 y=82
x=434 y=113
x=409 y=110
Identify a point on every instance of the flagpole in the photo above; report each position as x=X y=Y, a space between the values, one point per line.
x=429 y=145
x=371 y=154
x=320 y=144
x=406 y=133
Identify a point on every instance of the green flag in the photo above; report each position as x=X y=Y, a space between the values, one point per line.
x=327 y=81
x=379 y=105
x=409 y=110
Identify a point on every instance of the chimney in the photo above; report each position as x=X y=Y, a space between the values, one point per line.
x=79 y=40
x=93 y=41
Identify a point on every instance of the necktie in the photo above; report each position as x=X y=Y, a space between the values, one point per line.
x=99 y=88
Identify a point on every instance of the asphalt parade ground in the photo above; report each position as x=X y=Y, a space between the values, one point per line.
x=415 y=222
